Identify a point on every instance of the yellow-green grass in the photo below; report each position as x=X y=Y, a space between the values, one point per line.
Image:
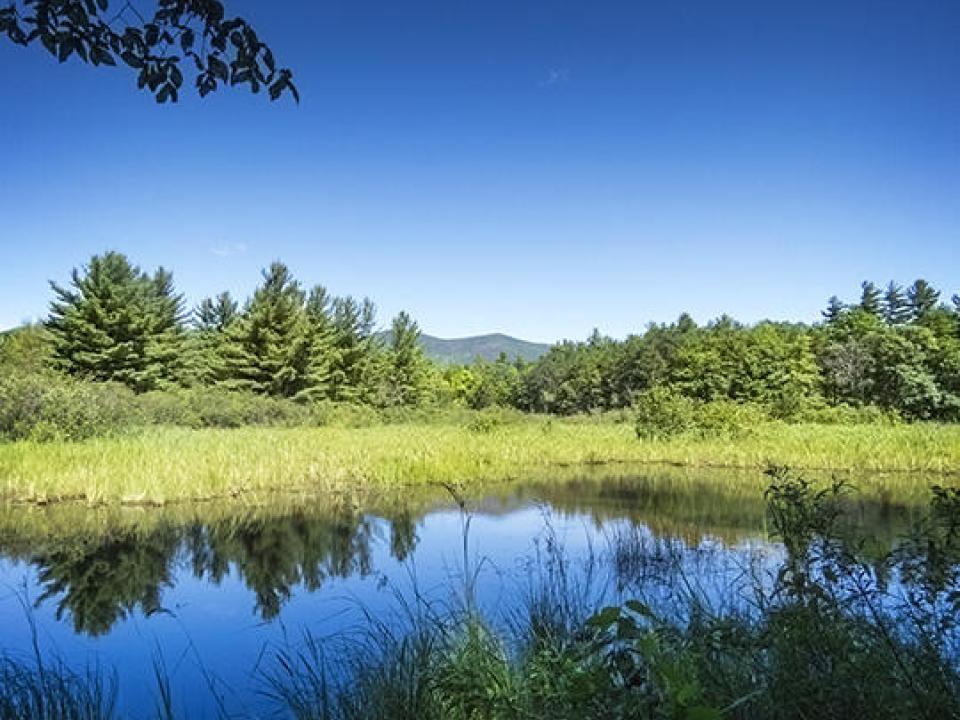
x=168 y=465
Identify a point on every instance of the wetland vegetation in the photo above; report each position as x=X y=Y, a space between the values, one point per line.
x=846 y=615
x=124 y=396
x=381 y=535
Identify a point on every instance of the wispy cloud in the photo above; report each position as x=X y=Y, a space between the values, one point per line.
x=228 y=249
x=555 y=76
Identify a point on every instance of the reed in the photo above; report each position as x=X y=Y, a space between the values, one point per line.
x=164 y=465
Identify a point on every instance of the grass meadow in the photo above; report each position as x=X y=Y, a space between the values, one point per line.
x=157 y=466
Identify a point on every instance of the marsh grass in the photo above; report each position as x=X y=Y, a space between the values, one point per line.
x=161 y=466
x=41 y=687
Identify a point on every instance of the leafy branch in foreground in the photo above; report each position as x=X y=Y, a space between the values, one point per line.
x=195 y=33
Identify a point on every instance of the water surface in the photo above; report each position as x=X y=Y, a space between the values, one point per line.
x=213 y=590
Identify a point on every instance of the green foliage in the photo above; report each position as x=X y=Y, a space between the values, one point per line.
x=47 y=407
x=115 y=323
x=182 y=36
x=358 y=359
x=834 y=311
x=267 y=350
x=662 y=413
x=407 y=368
x=204 y=407
x=896 y=307
x=870 y=298
x=895 y=357
x=922 y=298
x=25 y=349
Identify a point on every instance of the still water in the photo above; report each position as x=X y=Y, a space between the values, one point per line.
x=212 y=591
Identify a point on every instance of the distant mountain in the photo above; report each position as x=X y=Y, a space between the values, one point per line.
x=468 y=349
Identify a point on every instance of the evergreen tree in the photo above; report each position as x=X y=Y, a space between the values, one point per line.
x=353 y=375
x=870 y=298
x=266 y=347
x=165 y=309
x=407 y=365
x=896 y=308
x=116 y=323
x=319 y=335
x=211 y=318
x=922 y=298
x=834 y=311
x=215 y=314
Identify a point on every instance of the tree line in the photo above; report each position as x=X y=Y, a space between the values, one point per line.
x=116 y=323
x=893 y=350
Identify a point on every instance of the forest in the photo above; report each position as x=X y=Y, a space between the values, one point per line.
x=120 y=345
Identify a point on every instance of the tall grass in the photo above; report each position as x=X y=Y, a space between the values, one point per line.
x=159 y=466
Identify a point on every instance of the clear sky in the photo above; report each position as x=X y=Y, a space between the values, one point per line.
x=535 y=168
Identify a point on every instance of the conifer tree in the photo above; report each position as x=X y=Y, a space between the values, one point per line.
x=834 y=310
x=922 y=297
x=406 y=378
x=896 y=308
x=319 y=335
x=211 y=318
x=264 y=348
x=870 y=298
x=116 y=323
x=215 y=314
x=355 y=361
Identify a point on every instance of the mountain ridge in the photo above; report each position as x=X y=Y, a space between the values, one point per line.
x=465 y=350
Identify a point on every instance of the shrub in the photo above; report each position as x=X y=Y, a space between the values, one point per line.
x=849 y=415
x=345 y=415
x=490 y=419
x=47 y=406
x=662 y=412
x=218 y=408
x=726 y=417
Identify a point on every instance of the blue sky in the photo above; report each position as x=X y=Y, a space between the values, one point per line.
x=535 y=168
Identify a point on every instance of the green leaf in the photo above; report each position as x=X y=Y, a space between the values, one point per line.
x=635 y=606
x=702 y=712
x=605 y=618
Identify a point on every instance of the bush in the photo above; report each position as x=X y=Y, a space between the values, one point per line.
x=726 y=417
x=47 y=406
x=345 y=415
x=663 y=412
x=490 y=419
x=849 y=415
x=217 y=408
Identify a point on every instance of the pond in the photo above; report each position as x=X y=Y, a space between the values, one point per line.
x=211 y=591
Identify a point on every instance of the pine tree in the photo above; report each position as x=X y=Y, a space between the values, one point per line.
x=896 y=308
x=956 y=312
x=116 y=323
x=834 y=311
x=215 y=314
x=319 y=334
x=870 y=298
x=205 y=353
x=406 y=377
x=264 y=349
x=165 y=309
x=355 y=367
x=922 y=298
